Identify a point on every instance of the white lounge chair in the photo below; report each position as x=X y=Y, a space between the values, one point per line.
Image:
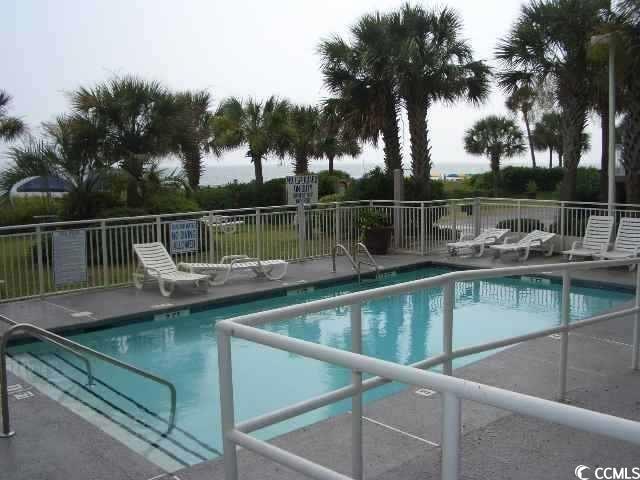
x=488 y=237
x=596 y=238
x=627 y=244
x=534 y=239
x=219 y=273
x=222 y=223
x=154 y=263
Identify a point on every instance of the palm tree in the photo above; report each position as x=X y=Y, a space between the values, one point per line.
x=334 y=138
x=630 y=151
x=549 y=43
x=522 y=101
x=432 y=63
x=262 y=126
x=139 y=118
x=71 y=150
x=547 y=136
x=10 y=127
x=193 y=132
x=497 y=138
x=304 y=145
x=359 y=75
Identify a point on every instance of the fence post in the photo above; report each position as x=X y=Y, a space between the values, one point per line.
x=302 y=221
x=564 y=336
x=337 y=225
x=454 y=220
x=40 y=263
x=635 y=361
x=562 y=224
x=258 y=233
x=226 y=405
x=211 y=237
x=423 y=230
x=448 y=291
x=477 y=219
x=105 y=259
x=158 y=229
x=357 y=457
x=519 y=215
x=451 y=413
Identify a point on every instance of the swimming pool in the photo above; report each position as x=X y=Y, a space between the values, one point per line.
x=182 y=348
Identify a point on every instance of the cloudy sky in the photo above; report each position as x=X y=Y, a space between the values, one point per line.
x=240 y=47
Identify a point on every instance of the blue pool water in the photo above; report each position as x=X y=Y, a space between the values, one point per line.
x=403 y=329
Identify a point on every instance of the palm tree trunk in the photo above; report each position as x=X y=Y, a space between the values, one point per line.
x=573 y=120
x=135 y=168
x=550 y=157
x=495 y=173
x=631 y=146
x=301 y=165
x=192 y=164
x=330 y=157
x=391 y=136
x=420 y=149
x=525 y=115
x=604 y=156
x=257 y=168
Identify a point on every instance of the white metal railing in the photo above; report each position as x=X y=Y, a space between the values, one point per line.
x=453 y=389
x=27 y=255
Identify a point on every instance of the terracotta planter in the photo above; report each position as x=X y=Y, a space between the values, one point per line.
x=378 y=239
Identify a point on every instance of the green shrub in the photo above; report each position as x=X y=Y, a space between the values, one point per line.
x=241 y=195
x=328 y=183
x=170 y=201
x=334 y=197
x=374 y=185
x=22 y=210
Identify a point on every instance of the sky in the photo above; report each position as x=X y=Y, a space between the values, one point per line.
x=243 y=48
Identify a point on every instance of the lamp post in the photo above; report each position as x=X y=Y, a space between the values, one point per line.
x=607 y=39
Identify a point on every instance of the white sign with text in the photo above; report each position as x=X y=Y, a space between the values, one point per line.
x=302 y=189
x=69 y=257
x=183 y=236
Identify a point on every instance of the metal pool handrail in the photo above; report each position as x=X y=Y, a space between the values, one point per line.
x=453 y=389
x=82 y=358
x=29 y=329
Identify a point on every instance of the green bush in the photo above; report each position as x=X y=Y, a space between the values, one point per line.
x=514 y=180
x=22 y=210
x=334 y=197
x=328 y=183
x=241 y=195
x=170 y=201
x=376 y=185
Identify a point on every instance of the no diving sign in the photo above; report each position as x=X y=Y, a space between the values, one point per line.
x=302 y=189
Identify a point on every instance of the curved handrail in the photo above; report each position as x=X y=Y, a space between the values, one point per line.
x=335 y=249
x=80 y=357
x=37 y=332
x=371 y=262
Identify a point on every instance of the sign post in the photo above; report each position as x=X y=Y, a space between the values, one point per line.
x=301 y=190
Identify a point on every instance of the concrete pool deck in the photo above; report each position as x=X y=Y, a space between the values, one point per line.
x=401 y=431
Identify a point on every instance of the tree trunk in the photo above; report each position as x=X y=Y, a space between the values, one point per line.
x=525 y=115
x=604 y=156
x=192 y=164
x=134 y=166
x=301 y=164
x=330 y=157
x=572 y=123
x=550 y=157
x=420 y=149
x=391 y=135
x=631 y=145
x=257 y=168
x=495 y=173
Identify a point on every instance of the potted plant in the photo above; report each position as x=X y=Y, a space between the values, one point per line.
x=375 y=231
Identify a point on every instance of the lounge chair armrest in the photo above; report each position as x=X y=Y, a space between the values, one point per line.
x=509 y=239
x=153 y=270
x=575 y=244
x=231 y=258
x=466 y=236
x=243 y=258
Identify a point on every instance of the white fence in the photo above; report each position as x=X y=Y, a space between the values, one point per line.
x=452 y=389
x=31 y=266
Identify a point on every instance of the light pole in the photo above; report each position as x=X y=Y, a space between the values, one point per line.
x=608 y=39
